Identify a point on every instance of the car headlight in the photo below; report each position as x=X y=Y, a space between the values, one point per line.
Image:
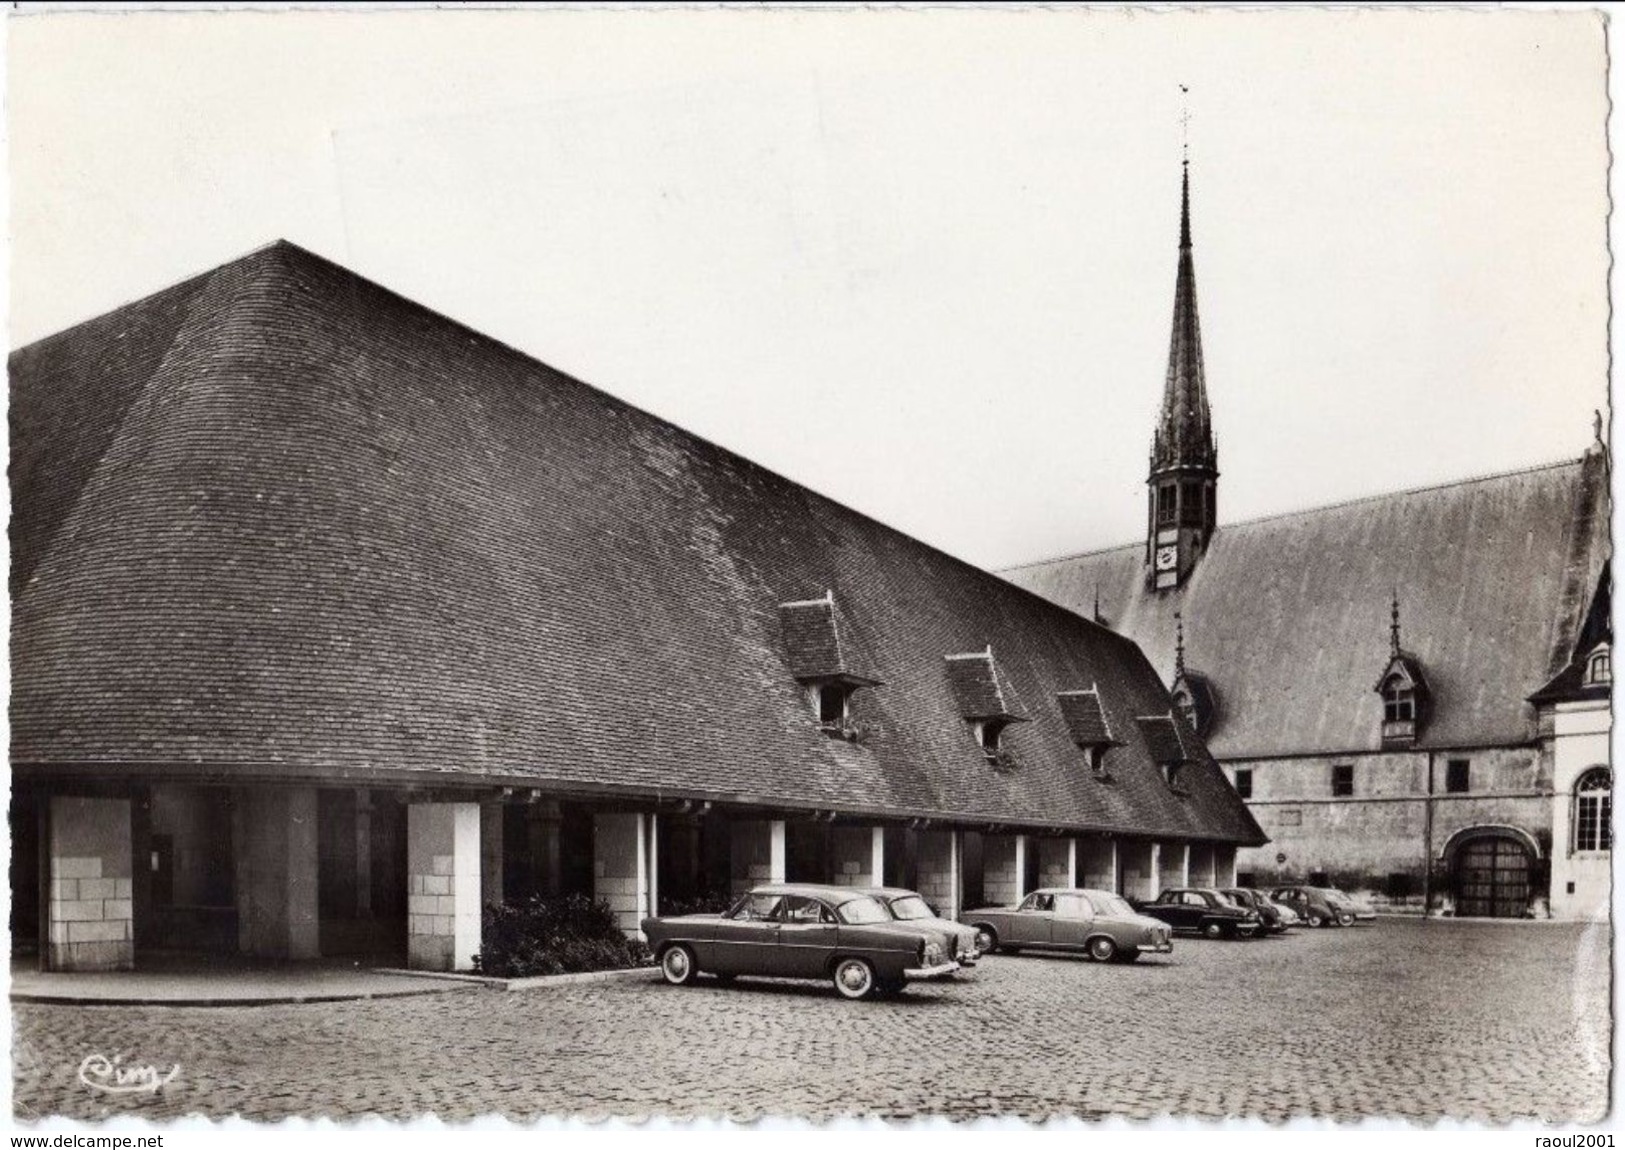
x=932 y=955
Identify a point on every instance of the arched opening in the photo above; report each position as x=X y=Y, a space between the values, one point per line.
x=1593 y=814
x=1492 y=872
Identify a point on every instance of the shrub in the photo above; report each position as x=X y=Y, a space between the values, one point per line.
x=566 y=934
x=711 y=902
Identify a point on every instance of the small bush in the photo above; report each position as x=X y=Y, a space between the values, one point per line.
x=713 y=902
x=567 y=934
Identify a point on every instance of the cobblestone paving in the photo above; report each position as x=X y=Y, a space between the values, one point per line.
x=1473 y=1020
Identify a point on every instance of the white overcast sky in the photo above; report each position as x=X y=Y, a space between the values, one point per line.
x=922 y=261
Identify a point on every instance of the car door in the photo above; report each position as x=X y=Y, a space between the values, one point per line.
x=1071 y=921
x=1030 y=925
x=747 y=937
x=1197 y=908
x=806 y=937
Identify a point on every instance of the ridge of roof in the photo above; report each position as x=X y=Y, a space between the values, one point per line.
x=1553 y=465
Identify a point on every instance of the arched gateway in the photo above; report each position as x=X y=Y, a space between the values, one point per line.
x=1491 y=871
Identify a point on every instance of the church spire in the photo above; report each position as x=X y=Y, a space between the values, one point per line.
x=1184 y=474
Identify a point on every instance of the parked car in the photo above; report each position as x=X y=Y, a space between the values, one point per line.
x=801 y=931
x=1347 y=902
x=910 y=907
x=1275 y=917
x=1096 y=921
x=1314 y=906
x=1203 y=911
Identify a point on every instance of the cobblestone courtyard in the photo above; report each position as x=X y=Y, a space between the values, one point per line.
x=1462 y=1019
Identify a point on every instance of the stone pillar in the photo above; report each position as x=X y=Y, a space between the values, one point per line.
x=1117 y=867
x=857 y=856
x=1156 y=871
x=274 y=840
x=443 y=885
x=491 y=852
x=1021 y=867
x=755 y=853
x=938 y=855
x=1096 y=865
x=1057 y=863
x=620 y=867
x=363 y=853
x=1224 y=865
x=90 y=917
x=546 y=866
x=1001 y=869
x=652 y=865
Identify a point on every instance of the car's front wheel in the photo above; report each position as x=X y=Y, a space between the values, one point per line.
x=1102 y=949
x=987 y=940
x=854 y=978
x=677 y=965
x=1345 y=919
x=1214 y=930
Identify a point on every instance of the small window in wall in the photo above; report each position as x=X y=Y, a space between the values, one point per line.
x=1165 y=503
x=1457 y=776
x=1398 y=703
x=1600 y=667
x=1289 y=817
x=1244 y=782
x=1342 y=781
x=832 y=699
x=1593 y=803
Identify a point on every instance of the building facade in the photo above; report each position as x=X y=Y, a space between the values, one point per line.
x=1411 y=691
x=334 y=621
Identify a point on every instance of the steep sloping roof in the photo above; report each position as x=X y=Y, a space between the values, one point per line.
x=322 y=530
x=1288 y=616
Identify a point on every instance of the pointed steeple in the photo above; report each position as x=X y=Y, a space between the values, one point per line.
x=1184 y=435
x=1183 y=483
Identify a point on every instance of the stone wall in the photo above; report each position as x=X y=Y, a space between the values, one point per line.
x=1138 y=863
x=91 y=916
x=755 y=853
x=274 y=840
x=855 y=855
x=938 y=862
x=1055 y=864
x=1582 y=881
x=1096 y=869
x=621 y=867
x=1001 y=871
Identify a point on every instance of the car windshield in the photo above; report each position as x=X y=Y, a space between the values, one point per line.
x=910 y=908
x=861 y=911
x=1110 y=904
x=1223 y=899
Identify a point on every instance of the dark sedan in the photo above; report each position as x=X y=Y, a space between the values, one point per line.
x=1275 y=917
x=1199 y=910
x=800 y=931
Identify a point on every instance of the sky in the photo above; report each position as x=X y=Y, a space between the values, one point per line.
x=921 y=261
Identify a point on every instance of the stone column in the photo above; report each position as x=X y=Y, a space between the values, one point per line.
x=939 y=871
x=620 y=867
x=1156 y=871
x=274 y=840
x=1001 y=870
x=857 y=856
x=443 y=885
x=755 y=853
x=90 y=917
x=1021 y=867
x=492 y=849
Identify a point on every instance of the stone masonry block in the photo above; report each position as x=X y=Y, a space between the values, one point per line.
x=97 y=888
x=118 y=908
x=444 y=864
x=420 y=904
x=436 y=884
x=71 y=867
x=64 y=889
x=96 y=931
x=77 y=910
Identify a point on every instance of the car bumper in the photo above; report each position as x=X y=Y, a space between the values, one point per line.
x=941 y=970
x=1155 y=947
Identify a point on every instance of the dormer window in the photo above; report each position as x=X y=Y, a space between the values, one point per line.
x=1404 y=692
x=1600 y=667
x=985 y=702
x=824 y=659
x=1086 y=722
x=1171 y=745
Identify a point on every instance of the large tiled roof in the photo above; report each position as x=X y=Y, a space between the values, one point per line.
x=1287 y=617
x=281 y=522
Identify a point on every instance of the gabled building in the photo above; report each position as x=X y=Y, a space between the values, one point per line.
x=1408 y=690
x=333 y=620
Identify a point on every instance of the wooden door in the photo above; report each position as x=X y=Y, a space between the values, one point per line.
x=1492 y=879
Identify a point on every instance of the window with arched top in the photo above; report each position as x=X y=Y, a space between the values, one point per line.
x=1600 y=667
x=1593 y=810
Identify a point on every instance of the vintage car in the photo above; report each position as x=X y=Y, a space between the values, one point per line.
x=1275 y=916
x=1201 y=910
x=1314 y=905
x=1345 y=902
x=907 y=906
x=1096 y=921
x=789 y=930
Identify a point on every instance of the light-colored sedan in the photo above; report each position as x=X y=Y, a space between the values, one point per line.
x=910 y=907
x=1057 y=918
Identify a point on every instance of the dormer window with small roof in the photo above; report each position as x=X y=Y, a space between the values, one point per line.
x=1087 y=723
x=1404 y=692
x=985 y=702
x=825 y=660
x=1193 y=695
x=1171 y=744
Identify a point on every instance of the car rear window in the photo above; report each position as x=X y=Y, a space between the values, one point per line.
x=910 y=908
x=862 y=911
